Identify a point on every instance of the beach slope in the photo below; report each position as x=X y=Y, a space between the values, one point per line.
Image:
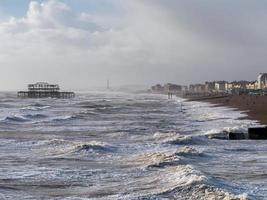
x=254 y=106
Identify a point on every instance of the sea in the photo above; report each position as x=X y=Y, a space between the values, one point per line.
x=116 y=145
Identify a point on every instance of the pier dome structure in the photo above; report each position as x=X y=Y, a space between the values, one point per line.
x=43 y=87
x=262 y=81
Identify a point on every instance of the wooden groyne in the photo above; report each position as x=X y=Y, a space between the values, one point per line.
x=254 y=133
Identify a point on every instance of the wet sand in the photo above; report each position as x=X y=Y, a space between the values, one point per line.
x=254 y=106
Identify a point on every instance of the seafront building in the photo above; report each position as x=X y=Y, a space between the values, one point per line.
x=243 y=85
x=262 y=81
x=44 y=90
x=209 y=86
x=173 y=88
x=168 y=88
x=220 y=86
x=157 y=89
x=257 y=87
x=253 y=85
x=197 y=88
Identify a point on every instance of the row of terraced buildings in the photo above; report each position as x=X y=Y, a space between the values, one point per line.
x=258 y=86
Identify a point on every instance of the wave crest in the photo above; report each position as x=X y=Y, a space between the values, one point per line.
x=188 y=151
x=35 y=107
x=15 y=118
x=58 y=147
x=93 y=146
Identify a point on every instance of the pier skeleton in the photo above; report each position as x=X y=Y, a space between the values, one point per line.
x=44 y=90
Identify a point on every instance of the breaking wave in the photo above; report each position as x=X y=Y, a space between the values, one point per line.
x=162 y=159
x=188 y=140
x=93 y=146
x=188 y=151
x=180 y=181
x=57 y=147
x=23 y=118
x=62 y=118
x=35 y=116
x=165 y=137
x=223 y=132
x=15 y=118
x=186 y=182
x=35 y=107
x=153 y=159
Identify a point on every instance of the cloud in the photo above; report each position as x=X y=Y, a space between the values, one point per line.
x=230 y=36
x=51 y=42
x=176 y=41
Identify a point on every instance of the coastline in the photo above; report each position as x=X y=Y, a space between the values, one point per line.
x=254 y=106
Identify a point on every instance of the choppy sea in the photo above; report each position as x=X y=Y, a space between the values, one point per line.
x=104 y=145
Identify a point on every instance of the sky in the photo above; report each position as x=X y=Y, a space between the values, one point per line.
x=80 y=44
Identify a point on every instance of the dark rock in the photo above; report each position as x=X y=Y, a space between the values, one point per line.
x=257 y=133
x=236 y=136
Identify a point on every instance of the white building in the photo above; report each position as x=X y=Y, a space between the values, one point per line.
x=262 y=81
x=220 y=86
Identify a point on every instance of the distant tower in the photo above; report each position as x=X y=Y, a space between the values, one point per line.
x=108 y=84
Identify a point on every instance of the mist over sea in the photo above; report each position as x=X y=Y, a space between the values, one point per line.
x=103 y=145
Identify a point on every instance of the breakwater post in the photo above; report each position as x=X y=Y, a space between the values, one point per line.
x=257 y=133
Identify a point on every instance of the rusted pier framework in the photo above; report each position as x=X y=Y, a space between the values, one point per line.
x=44 y=90
x=64 y=95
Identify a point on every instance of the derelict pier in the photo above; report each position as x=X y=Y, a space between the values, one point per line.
x=45 y=90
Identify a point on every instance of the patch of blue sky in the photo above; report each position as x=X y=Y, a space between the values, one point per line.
x=94 y=6
x=18 y=8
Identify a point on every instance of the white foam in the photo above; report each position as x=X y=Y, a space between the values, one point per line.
x=187 y=150
x=60 y=147
x=166 y=137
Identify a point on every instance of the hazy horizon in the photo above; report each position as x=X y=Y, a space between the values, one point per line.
x=80 y=44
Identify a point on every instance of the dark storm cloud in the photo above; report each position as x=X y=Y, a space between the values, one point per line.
x=234 y=22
